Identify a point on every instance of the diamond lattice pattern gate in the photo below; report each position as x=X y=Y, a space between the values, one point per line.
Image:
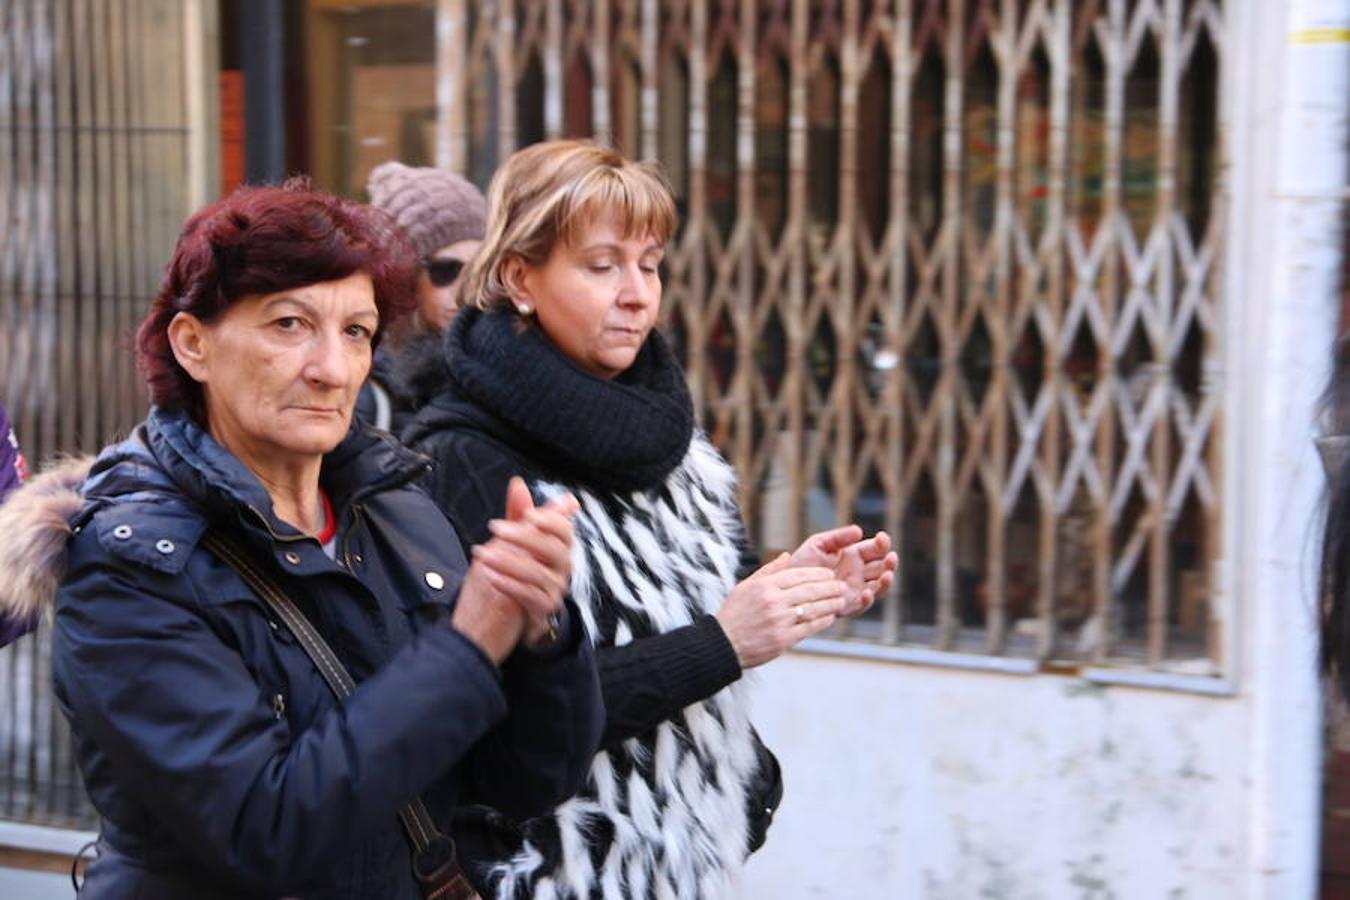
x=948 y=267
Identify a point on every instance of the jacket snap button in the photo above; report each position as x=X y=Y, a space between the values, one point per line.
x=435 y=581
x=164 y=545
x=293 y=558
x=278 y=705
x=122 y=532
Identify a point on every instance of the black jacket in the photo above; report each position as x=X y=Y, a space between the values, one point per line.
x=212 y=748
x=402 y=381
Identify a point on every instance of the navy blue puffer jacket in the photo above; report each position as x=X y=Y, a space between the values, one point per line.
x=212 y=748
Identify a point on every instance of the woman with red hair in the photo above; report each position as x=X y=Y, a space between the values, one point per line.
x=267 y=641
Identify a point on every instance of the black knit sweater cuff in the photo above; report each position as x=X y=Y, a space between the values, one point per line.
x=701 y=662
x=648 y=681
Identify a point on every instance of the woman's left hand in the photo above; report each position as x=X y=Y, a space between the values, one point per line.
x=866 y=567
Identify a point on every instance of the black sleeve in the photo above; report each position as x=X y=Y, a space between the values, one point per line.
x=650 y=679
x=540 y=754
x=186 y=727
x=468 y=481
x=644 y=682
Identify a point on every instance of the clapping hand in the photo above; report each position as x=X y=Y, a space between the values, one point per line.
x=866 y=567
x=515 y=585
x=777 y=606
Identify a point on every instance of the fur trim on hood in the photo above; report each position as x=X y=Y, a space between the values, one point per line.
x=34 y=530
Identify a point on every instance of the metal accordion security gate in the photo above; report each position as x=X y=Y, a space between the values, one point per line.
x=98 y=100
x=947 y=267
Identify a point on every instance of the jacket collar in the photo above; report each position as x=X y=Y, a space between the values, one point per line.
x=171 y=453
x=151 y=496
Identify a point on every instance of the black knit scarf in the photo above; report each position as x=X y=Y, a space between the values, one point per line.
x=623 y=434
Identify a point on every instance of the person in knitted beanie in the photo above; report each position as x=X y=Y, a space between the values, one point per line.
x=443 y=215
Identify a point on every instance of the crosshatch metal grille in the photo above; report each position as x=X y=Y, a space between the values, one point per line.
x=93 y=187
x=948 y=267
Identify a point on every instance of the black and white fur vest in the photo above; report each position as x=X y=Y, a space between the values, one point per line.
x=664 y=817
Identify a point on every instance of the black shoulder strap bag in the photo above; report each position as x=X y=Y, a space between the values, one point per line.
x=434 y=861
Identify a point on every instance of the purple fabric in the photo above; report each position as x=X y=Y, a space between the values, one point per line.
x=11 y=463
x=12 y=629
x=11 y=475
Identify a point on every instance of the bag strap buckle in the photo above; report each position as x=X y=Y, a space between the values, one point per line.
x=439 y=872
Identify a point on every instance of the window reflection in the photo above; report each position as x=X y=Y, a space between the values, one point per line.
x=372 y=88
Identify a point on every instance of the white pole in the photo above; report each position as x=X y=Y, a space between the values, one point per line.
x=201 y=62
x=1289 y=103
x=452 y=49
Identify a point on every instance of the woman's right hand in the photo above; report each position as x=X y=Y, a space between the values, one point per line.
x=777 y=606
x=517 y=579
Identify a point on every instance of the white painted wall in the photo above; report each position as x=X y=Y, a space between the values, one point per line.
x=911 y=781
x=906 y=781
x=1289 y=126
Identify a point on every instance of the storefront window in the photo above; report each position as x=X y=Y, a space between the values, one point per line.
x=371 y=85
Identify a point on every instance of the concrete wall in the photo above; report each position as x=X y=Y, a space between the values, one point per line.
x=904 y=781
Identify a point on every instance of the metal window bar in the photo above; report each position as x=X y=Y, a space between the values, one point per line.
x=94 y=182
x=947 y=267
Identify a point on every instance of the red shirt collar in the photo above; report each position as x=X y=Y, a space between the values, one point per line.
x=329 y=530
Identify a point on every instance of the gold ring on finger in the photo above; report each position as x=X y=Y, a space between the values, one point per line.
x=801 y=614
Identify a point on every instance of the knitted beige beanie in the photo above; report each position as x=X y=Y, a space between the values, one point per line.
x=433 y=206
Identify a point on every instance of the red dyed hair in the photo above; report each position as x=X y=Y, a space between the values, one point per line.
x=260 y=240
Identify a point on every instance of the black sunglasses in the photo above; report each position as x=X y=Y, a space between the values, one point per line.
x=443 y=272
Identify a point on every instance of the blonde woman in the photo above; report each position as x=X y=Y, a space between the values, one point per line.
x=556 y=375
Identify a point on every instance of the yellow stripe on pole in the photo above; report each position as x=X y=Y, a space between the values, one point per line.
x=1320 y=36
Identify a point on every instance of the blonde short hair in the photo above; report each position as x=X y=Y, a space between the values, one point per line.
x=547 y=193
